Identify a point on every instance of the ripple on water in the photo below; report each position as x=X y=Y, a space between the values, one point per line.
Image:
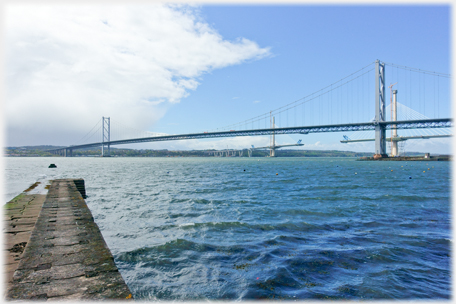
x=208 y=230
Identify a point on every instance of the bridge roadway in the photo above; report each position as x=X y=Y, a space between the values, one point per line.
x=365 y=126
x=398 y=138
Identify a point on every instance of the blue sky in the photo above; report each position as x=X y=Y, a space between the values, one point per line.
x=311 y=46
x=279 y=54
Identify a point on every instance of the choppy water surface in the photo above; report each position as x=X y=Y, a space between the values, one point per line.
x=232 y=228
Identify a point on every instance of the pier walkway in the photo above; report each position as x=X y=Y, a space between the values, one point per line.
x=65 y=255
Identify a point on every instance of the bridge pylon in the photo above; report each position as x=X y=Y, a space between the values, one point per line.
x=380 y=110
x=272 y=141
x=106 y=136
x=394 y=150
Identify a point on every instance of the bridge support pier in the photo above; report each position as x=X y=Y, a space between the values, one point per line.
x=67 y=152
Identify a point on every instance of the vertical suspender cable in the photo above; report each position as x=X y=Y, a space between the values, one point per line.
x=347 y=102
x=424 y=94
x=357 y=100
x=434 y=97
x=331 y=103
x=438 y=96
x=319 y=110
x=410 y=88
x=341 y=104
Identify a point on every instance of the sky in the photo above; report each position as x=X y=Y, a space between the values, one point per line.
x=179 y=68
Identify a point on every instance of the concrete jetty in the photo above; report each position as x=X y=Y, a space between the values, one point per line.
x=58 y=254
x=19 y=218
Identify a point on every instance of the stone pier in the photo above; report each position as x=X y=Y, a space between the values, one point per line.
x=65 y=256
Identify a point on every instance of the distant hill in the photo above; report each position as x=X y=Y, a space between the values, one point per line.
x=41 y=148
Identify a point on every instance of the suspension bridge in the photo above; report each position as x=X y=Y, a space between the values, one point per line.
x=343 y=106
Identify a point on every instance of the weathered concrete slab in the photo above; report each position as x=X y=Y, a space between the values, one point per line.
x=16 y=235
x=66 y=257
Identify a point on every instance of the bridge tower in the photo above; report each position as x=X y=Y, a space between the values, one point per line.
x=106 y=137
x=394 y=151
x=380 y=111
x=272 y=141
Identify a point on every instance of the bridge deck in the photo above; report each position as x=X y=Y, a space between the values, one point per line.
x=364 y=126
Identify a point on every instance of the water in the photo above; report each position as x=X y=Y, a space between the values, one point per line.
x=263 y=228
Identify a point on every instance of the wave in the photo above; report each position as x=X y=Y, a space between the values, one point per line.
x=168 y=250
x=309 y=212
x=318 y=237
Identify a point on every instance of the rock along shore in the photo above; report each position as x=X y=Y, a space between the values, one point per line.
x=55 y=250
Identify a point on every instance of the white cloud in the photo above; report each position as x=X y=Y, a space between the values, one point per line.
x=256 y=101
x=68 y=65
